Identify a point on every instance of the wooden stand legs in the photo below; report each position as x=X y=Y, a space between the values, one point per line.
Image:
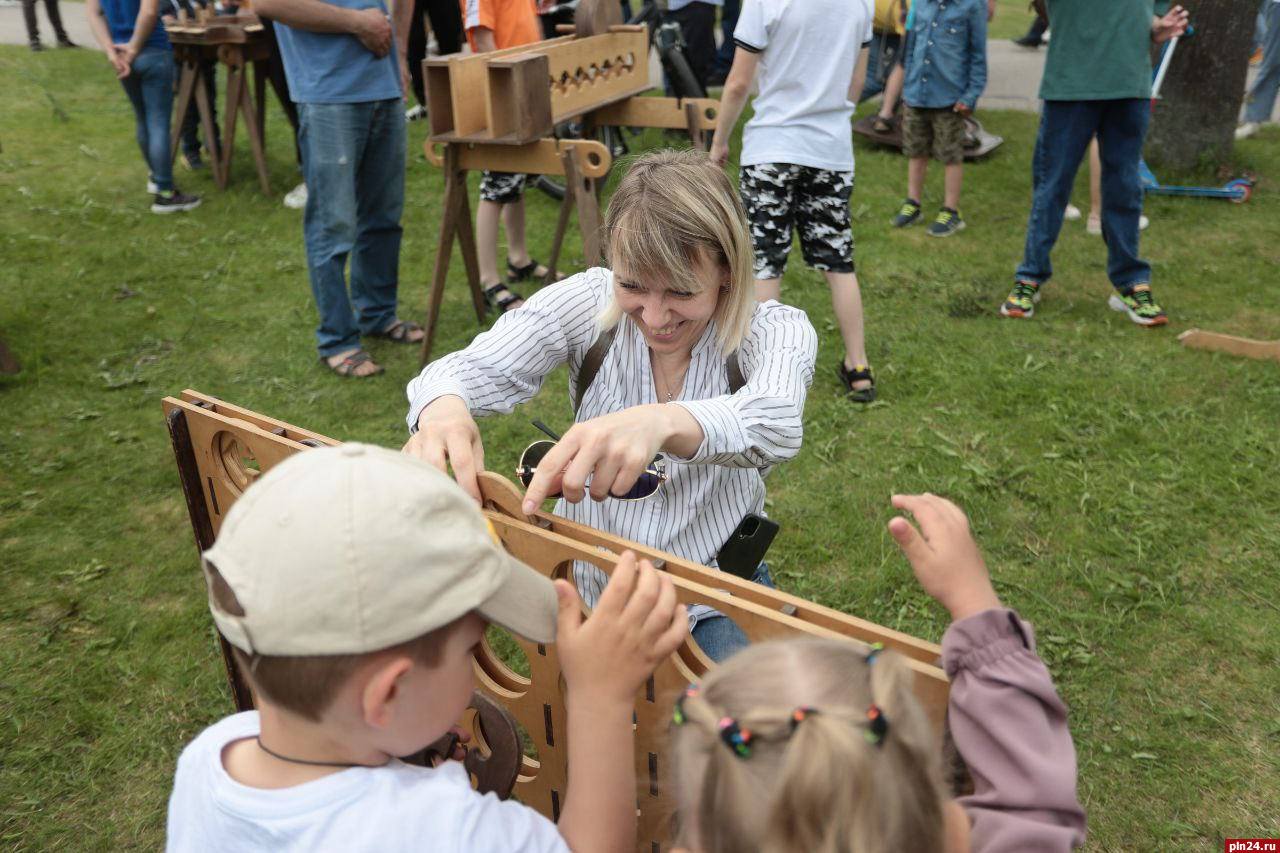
x=191 y=84
x=240 y=101
x=457 y=220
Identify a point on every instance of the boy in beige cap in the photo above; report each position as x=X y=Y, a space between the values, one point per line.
x=354 y=584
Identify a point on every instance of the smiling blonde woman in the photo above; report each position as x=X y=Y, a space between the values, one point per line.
x=681 y=362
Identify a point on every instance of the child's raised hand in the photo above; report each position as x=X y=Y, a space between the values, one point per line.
x=943 y=554
x=635 y=625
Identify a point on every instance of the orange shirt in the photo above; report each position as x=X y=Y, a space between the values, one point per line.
x=513 y=22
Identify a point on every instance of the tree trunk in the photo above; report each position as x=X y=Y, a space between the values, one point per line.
x=1195 y=118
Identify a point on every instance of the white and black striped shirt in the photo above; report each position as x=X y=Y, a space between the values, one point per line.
x=707 y=494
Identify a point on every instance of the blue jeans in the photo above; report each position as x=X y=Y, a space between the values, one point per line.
x=724 y=53
x=353 y=162
x=150 y=90
x=719 y=636
x=1065 y=130
x=1262 y=97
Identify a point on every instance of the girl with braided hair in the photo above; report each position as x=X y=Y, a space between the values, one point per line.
x=820 y=745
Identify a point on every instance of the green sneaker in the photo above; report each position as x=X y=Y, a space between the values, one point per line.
x=1022 y=300
x=946 y=223
x=907 y=214
x=1140 y=305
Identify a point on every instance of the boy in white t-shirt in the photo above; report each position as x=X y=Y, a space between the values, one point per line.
x=354 y=584
x=797 y=150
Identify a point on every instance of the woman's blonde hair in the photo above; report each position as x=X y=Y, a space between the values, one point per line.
x=670 y=210
x=817 y=780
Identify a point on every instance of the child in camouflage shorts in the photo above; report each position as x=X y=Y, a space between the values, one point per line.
x=946 y=72
x=797 y=151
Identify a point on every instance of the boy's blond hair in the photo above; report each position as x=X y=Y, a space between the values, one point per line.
x=819 y=783
x=671 y=209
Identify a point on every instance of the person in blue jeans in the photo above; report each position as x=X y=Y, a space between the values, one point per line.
x=1100 y=87
x=347 y=74
x=139 y=52
x=1261 y=100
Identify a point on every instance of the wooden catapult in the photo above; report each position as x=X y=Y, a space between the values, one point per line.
x=221 y=448
x=498 y=111
x=236 y=41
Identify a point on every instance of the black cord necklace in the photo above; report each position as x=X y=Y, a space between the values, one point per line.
x=269 y=751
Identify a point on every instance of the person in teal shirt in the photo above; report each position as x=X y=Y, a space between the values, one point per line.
x=1097 y=81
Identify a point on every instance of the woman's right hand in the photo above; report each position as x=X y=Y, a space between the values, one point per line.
x=447 y=436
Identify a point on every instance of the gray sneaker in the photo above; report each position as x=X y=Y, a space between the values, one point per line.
x=946 y=223
x=907 y=214
x=174 y=201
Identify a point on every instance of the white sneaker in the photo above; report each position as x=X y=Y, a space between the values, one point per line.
x=1249 y=128
x=296 y=198
x=1072 y=213
x=415 y=113
x=1094 y=226
x=152 y=186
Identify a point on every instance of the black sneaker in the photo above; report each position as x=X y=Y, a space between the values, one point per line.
x=173 y=201
x=36 y=46
x=946 y=223
x=907 y=214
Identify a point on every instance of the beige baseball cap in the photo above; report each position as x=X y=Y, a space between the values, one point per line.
x=355 y=548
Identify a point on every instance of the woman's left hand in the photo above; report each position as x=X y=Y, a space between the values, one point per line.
x=612 y=451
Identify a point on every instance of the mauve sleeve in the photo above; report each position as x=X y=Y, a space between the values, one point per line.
x=1010 y=726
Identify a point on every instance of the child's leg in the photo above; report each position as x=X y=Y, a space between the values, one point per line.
x=768 y=288
x=768 y=195
x=826 y=238
x=513 y=222
x=487 y=214
x=953 y=177
x=155 y=67
x=917 y=168
x=846 y=304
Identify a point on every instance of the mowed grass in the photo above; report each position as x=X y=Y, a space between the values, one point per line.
x=1123 y=488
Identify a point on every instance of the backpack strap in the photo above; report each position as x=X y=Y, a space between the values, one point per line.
x=595 y=357
x=591 y=365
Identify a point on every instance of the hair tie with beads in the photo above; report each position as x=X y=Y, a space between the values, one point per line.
x=876 y=649
x=877 y=725
x=735 y=737
x=677 y=713
x=799 y=715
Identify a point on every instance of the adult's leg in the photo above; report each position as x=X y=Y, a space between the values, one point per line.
x=55 y=21
x=1065 y=130
x=724 y=54
x=446 y=23
x=697 y=22
x=375 y=258
x=1120 y=136
x=417 y=50
x=1262 y=96
x=29 y=18
x=332 y=137
x=154 y=68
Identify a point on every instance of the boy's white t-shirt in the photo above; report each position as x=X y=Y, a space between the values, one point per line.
x=808 y=49
x=394 y=807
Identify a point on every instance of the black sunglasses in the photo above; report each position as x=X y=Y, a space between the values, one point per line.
x=649 y=481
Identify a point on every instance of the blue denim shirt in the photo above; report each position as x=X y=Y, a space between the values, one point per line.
x=946 y=53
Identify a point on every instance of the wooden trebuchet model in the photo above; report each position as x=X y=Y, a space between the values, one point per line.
x=221 y=448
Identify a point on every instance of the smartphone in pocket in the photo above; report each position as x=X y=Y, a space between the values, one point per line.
x=745 y=548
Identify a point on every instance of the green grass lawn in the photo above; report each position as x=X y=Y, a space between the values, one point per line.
x=1123 y=488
